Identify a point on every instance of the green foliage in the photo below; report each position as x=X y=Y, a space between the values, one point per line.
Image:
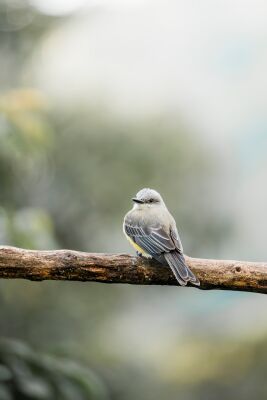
x=27 y=375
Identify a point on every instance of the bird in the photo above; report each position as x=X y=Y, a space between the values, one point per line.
x=152 y=231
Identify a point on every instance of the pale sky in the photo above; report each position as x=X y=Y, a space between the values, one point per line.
x=204 y=60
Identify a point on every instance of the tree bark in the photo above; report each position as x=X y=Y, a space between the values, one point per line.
x=122 y=268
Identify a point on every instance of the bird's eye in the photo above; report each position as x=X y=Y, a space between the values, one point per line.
x=150 y=200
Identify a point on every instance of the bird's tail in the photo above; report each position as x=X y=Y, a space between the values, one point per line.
x=178 y=266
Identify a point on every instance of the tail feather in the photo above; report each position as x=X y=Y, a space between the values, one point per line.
x=182 y=273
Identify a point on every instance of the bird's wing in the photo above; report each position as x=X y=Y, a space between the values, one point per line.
x=176 y=238
x=159 y=243
x=154 y=240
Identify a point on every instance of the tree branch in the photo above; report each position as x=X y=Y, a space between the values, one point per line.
x=122 y=268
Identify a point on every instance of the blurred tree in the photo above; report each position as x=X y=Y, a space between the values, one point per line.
x=26 y=374
x=24 y=142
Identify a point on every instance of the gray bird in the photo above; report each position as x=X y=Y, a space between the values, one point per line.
x=151 y=230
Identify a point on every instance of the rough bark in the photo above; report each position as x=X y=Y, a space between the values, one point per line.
x=122 y=268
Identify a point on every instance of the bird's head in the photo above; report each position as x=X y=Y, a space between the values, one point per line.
x=147 y=198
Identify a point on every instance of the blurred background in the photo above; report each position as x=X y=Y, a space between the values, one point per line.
x=99 y=99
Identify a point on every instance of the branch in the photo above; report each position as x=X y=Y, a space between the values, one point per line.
x=122 y=268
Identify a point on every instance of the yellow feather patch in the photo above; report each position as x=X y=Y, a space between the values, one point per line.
x=138 y=248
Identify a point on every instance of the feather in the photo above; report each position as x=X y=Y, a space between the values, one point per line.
x=177 y=264
x=165 y=246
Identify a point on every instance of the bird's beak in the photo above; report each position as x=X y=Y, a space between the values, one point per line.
x=137 y=200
